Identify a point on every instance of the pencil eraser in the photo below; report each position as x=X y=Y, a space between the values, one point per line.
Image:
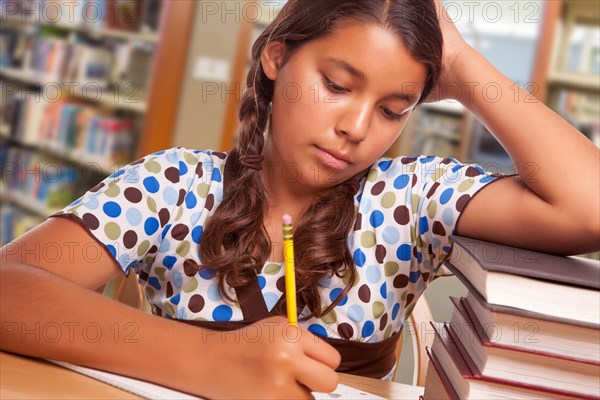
x=287 y=219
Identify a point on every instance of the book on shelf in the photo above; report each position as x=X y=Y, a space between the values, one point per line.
x=528 y=280
x=456 y=377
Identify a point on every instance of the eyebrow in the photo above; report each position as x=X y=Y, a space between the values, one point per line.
x=361 y=76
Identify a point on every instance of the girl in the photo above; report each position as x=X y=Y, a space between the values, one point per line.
x=332 y=85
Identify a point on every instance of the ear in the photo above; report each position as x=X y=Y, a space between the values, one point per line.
x=272 y=58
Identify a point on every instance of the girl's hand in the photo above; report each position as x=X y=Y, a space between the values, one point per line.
x=272 y=359
x=454 y=46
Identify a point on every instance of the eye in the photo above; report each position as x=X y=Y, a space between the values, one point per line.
x=391 y=115
x=332 y=87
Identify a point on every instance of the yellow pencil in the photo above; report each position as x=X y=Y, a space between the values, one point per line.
x=290 y=277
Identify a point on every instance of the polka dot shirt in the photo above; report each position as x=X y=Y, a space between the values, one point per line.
x=151 y=214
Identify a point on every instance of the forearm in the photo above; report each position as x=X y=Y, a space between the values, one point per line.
x=552 y=158
x=46 y=316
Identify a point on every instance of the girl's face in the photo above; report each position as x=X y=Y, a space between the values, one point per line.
x=339 y=103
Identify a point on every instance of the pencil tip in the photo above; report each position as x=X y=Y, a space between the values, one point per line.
x=287 y=219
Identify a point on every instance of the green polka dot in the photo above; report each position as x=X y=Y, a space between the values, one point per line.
x=168 y=308
x=391 y=268
x=272 y=269
x=372 y=176
x=202 y=190
x=412 y=233
x=346 y=279
x=179 y=214
x=143 y=248
x=388 y=332
x=200 y=319
x=388 y=200
x=409 y=309
x=152 y=166
x=412 y=167
x=415 y=203
x=183 y=248
x=190 y=286
x=465 y=185
x=149 y=292
x=432 y=208
x=151 y=204
x=112 y=191
x=437 y=174
x=112 y=231
x=75 y=213
x=330 y=317
x=160 y=272
x=420 y=242
x=189 y=158
x=367 y=239
x=403 y=295
x=149 y=260
x=378 y=309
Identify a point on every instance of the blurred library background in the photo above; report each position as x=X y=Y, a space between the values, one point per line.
x=87 y=86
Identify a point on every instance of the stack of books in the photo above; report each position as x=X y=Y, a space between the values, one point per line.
x=528 y=328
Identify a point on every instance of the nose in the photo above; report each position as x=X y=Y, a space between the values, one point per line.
x=354 y=121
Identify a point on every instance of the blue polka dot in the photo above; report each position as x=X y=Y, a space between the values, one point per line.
x=216 y=175
x=134 y=216
x=414 y=276
x=183 y=169
x=92 y=203
x=383 y=290
x=79 y=200
x=131 y=265
x=112 y=250
x=318 y=330
x=392 y=172
x=395 y=310
x=111 y=209
x=175 y=299
x=356 y=313
x=213 y=292
x=423 y=225
x=172 y=157
x=391 y=235
x=446 y=195
x=448 y=216
x=359 y=257
x=373 y=273
x=197 y=234
x=270 y=300
x=177 y=279
x=479 y=169
x=487 y=179
x=334 y=295
x=158 y=153
x=376 y=218
x=365 y=205
x=426 y=159
x=181 y=314
x=169 y=261
x=154 y=282
x=390 y=299
x=325 y=282
x=170 y=196
x=419 y=257
x=118 y=173
x=457 y=167
x=404 y=252
x=222 y=313
x=368 y=329
x=261 y=281
x=165 y=231
x=435 y=243
x=150 y=226
x=190 y=200
x=164 y=246
x=219 y=194
x=401 y=181
x=151 y=184
x=206 y=274
x=384 y=165
x=194 y=218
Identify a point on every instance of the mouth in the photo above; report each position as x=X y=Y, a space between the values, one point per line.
x=333 y=159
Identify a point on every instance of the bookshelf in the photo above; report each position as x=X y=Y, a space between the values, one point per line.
x=81 y=97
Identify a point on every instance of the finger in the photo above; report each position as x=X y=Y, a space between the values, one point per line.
x=316 y=376
x=319 y=350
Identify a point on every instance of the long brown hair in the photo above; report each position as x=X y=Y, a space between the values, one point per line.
x=235 y=240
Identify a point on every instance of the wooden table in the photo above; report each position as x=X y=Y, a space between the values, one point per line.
x=31 y=378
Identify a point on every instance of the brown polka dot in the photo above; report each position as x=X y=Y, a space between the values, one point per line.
x=181 y=197
x=383 y=322
x=169 y=289
x=196 y=303
x=90 y=221
x=426 y=276
x=143 y=275
x=462 y=202
x=199 y=169
x=129 y=239
x=358 y=222
x=153 y=249
x=163 y=215
x=138 y=161
x=210 y=202
x=158 y=311
x=409 y=298
x=400 y=281
x=429 y=248
x=414 y=251
x=219 y=154
x=345 y=330
x=97 y=187
x=471 y=172
x=190 y=267
x=133 y=195
x=402 y=215
x=172 y=174
x=438 y=228
x=414 y=180
x=408 y=160
x=364 y=293
x=446 y=161
x=380 y=253
x=377 y=188
x=280 y=283
x=433 y=189
x=179 y=231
